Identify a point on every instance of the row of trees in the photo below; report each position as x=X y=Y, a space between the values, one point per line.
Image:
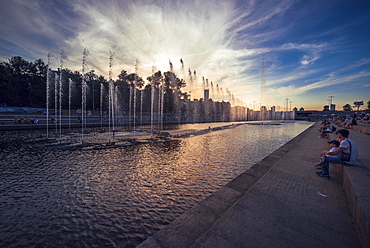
x=349 y=107
x=26 y=84
x=23 y=83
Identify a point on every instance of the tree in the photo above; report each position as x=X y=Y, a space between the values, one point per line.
x=347 y=107
x=22 y=83
x=19 y=65
x=37 y=83
x=358 y=104
x=326 y=108
x=368 y=107
x=6 y=75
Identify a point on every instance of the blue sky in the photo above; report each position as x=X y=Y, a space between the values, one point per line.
x=312 y=49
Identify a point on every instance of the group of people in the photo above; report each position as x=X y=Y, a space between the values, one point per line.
x=342 y=151
x=350 y=121
x=325 y=128
x=26 y=120
x=346 y=122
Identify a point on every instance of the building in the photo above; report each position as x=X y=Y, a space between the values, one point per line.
x=206 y=95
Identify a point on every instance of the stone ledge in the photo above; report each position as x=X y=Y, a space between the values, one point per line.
x=361 y=129
x=356 y=185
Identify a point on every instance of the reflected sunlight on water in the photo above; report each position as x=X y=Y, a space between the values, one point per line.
x=119 y=197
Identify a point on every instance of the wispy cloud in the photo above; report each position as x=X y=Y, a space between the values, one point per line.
x=307 y=59
x=224 y=41
x=330 y=82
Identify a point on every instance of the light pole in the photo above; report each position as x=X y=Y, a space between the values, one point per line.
x=330 y=101
x=286 y=106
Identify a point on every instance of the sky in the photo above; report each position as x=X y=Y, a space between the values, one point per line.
x=311 y=51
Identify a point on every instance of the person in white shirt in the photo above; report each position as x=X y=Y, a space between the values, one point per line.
x=334 y=144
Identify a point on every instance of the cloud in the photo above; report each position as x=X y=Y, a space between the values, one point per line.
x=224 y=41
x=330 y=82
x=36 y=26
x=197 y=32
x=307 y=59
x=202 y=33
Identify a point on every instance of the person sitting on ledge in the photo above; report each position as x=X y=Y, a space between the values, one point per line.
x=346 y=146
x=353 y=123
x=334 y=144
x=327 y=127
x=346 y=122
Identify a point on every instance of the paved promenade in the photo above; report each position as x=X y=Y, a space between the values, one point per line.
x=281 y=202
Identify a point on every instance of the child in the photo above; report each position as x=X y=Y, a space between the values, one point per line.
x=334 y=144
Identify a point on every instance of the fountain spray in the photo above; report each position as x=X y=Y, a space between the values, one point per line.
x=62 y=55
x=135 y=85
x=152 y=99
x=84 y=86
x=48 y=79
x=101 y=105
x=110 y=100
x=162 y=104
x=56 y=81
x=191 y=82
x=69 y=102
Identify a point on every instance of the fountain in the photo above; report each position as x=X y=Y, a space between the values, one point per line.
x=81 y=189
x=167 y=105
x=69 y=102
x=83 y=111
x=141 y=107
x=130 y=107
x=56 y=81
x=161 y=104
x=111 y=107
x=48 y=80
x=60 y=92
x=101 y=104
x=135 y=89
x=152 y=91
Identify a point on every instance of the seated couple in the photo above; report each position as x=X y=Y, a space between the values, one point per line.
x=343 y=144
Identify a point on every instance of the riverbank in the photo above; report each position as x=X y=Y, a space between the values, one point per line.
x=281 y=202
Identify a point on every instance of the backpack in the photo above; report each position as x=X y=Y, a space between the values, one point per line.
x=334 y=129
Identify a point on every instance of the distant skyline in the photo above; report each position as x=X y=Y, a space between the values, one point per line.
x=311 y=49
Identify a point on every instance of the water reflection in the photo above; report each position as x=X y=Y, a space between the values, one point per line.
x=119 y=197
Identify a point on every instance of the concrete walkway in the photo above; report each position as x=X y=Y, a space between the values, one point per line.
x=281 y=202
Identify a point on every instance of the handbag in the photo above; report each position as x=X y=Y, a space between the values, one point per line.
x=346 y=156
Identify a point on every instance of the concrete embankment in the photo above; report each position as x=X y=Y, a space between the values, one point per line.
x=356 y=182
x=281 y=202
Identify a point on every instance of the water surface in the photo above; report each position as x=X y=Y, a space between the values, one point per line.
x=119 y=197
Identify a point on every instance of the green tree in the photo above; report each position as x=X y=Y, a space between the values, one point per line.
x=326 y=108
x=347 y=107
x=37 y=84
x=19 y=65
x=19 y=84
x=358 y=104
x=6 y=75
x=22 y=83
